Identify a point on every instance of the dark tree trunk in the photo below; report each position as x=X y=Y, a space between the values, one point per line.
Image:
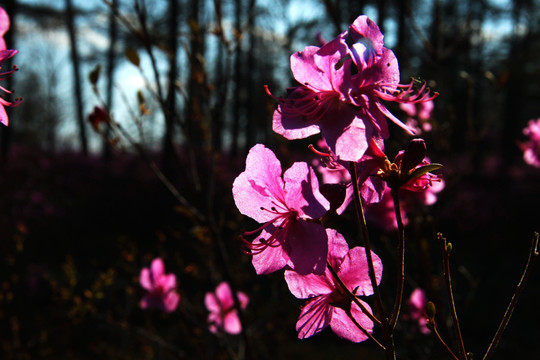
x=76 y=76
x=111 y=65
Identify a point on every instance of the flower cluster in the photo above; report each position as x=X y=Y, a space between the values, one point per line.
x=531 y=148
x=343 y=85
x=5 y=54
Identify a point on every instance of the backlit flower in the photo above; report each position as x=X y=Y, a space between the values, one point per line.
x=328 y=304
x=223 y=314
x=161 y=287
x=531 y=148
x=416 y=310
x=288 y=208
x=345 y=106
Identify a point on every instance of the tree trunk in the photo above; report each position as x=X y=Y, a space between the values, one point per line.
x=111 y=65
x=76 y=77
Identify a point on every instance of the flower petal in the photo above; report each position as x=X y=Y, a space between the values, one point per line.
x=345 y=328
x=314 y=317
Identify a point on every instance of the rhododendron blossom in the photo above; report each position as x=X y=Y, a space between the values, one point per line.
x=4 y=55
x=288 y=208
x=346 y=107
x=416 y=306
x=419 y=115
x=161 y=287
x=4 y=27
x=531 y=148
x=223 y=314
x=328 y=304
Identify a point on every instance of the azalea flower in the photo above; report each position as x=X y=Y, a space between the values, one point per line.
x=288 y=208
x=531 y=148
x=4 y=55
x=346 y=107
x=161 y=287
x=223 y=315
x=416 y=306
x=419 y=115
x=4 y=27
x=328 y=304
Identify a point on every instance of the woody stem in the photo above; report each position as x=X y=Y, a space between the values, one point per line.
x=387 y=333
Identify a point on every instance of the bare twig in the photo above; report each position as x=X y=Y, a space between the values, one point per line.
x=387 y=333
x=533 y=254
x=446 y=248
x=401 y=255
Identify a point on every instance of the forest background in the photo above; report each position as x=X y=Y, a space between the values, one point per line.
x=82 y=215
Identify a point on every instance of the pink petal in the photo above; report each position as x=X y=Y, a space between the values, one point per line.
x=224 y=294
x=308 y=245
x=145 y=279
x=337 y=248
x=345 y=328
x=302 y=191
x=211 y=303
x=168 y=282
x=260 y=185
x=243 y=299
x=170 y=301
x=270 y=259
x=308 y=286
x=354 y=271
x=314 y=317
x=231 y=323
x=307 y=73
x=158 y=269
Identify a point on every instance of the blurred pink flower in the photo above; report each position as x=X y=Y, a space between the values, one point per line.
x=161 y=287
x=327 y=303
x=417 y=310
x=285 y=206
x=383 y=215
x=531 y=148
x=419 y=115
x=223 y=315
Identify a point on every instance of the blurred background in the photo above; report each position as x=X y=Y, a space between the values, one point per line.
x=84 y=210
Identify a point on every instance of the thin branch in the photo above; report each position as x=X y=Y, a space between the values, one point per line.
x=401 y=255
x=438 y=336
x=446 y=248
x=533 y=254
x=387 y=333
x=351 y=295
x=367 y=333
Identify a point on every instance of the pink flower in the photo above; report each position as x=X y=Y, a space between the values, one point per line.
x=4 y=55
x=4 y=27
x=419 y=115
x=531 y=148
x=417 y=310
x=327 y=303
x=345 y=107
x=161 y=287
x=288 y=208
x=223 y=315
